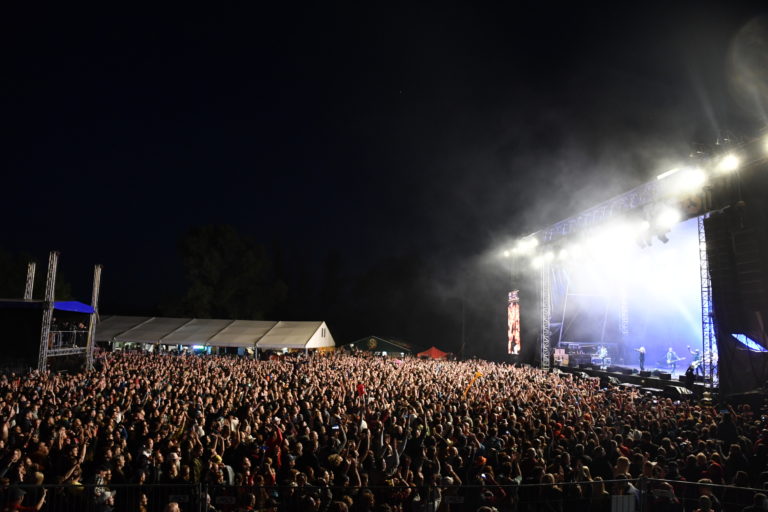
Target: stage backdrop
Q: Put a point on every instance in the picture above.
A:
(625, 296)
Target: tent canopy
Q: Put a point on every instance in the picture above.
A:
(214, 332)
(433, 353)
(297, 335)
(60, 305)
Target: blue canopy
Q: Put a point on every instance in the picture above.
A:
(72, 305)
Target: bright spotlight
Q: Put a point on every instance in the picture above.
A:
(667, 174)
(668, 218)
(576, 250)
(643, 226)
(563, 255)
(526, 245)
(537, 262)
(729, 163)
(692, 179)
(506, 254)
(549, 256)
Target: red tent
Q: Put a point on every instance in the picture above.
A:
(433, 353)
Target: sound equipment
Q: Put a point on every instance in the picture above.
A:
(677, 392)
(665, 376)
(645, 373)
(627, 371)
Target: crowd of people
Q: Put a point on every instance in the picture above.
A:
(362, 433)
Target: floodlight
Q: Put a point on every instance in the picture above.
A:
(729, 163)
(692, 179)
(667, 174)
(526, 245)
(549, 256)
(576, 250)
(668, 218)
(506, 254)
(563, 255)
(643, 226)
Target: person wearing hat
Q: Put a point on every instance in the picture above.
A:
(17, 497)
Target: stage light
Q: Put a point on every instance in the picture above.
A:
(692, 179)
(506, 254)
(563, 255)
(668, 218)
(668, 173)
(728, 164)
(549, 256)
(526, 245)
(576, 251)
(643, 226)
(537, 262)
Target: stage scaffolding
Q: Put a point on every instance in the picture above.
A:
(48, 349)
(708, 339)
(638, 197)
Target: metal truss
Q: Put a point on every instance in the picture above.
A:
(66, 351)
(546, 314)
(639, 196)
(50, 287)
(708, 336)
(94, 316)
(28, 289)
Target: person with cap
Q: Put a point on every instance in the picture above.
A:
(17, 498)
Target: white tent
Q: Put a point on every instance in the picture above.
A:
(297, 335)
(241, 333)
(265, 335)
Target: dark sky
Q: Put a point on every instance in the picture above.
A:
(370, 128)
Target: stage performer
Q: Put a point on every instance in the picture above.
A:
(672, 360)
(602, 354)
(641, 356)
(696, 361)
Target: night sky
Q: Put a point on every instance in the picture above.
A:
(370, 129)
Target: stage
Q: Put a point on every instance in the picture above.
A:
(655, 380)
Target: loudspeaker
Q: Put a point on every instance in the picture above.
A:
(665, 376)
(627, 371)
(681, 378)
(645, 373)
(677, 392)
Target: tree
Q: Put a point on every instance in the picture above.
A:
(229, 275)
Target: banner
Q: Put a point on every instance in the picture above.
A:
(513, 323)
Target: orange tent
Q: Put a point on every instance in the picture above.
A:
(433, 353)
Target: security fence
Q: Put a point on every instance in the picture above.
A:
(640, 495)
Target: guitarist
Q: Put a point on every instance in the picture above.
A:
(696, 361)
(672, 359)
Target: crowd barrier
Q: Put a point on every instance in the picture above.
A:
(640, 495)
